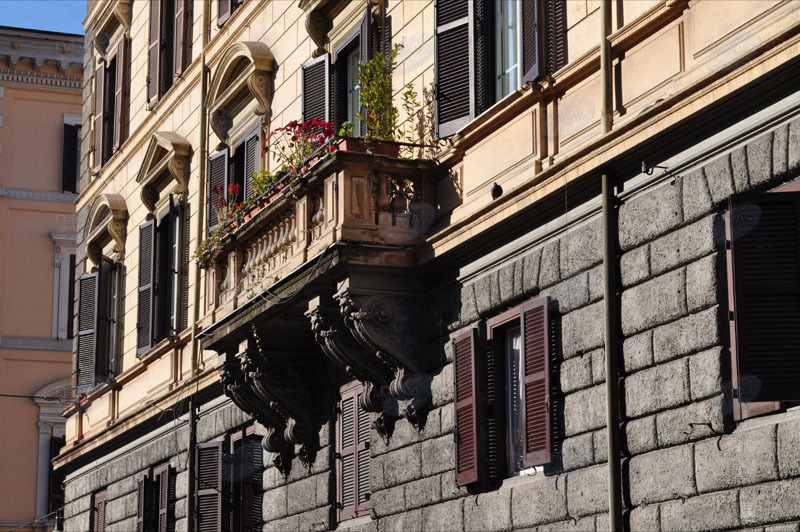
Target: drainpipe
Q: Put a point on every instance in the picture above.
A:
(612, 367)
(605, 66)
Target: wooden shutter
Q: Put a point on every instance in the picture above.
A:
(455, 105)
(166, 46)
(483, 64)
(153, 55)
(315, 88)
(535, 329)
(71, 299)
(225, 9)
(165, 497)
(252, 161)
(69, 158)
(119, 93)
(555, 23)
(144, 327)
(765, 248)
(178, 39)
(208, 487)
(87, 329)
(466, 421)
(217, 177)
(99, 506)
(185, 253)
(97, 119)
(366, 43)
(252, 473)
(103, 316)
(530, 41)
(146, 505)
(352, 448)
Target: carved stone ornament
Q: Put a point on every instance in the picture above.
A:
(108, 218)
(119, 10)
(166, 160)
(229, 78)
(318, 24)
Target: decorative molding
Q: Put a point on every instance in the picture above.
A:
(38, 195)
(35, 344)
(108, 216)
(318, 24)
(256, 75)
(166, 159)
(40, 78)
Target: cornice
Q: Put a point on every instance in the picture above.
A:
(37, 195)
(32, 77)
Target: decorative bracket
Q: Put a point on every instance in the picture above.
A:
(108, 218)
(166, 159)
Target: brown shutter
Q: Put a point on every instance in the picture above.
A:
(252, 473)
(208, 487)
(483, 63)
(71, 298)
(225, 9)
(315, 88)
(185, 253)
(154, 42)
(165, 495)
(99, 521)
(119, 89)
(146, 505)
(103, 317)
(454, 69)
(366, 43)
(765, 246)
(385, 35)
(536, 382)
(346, 449)
(87, 329)
(252, 160)
(530, 41)
(466, 421)
(69, 158)
(362, 455)
(179, 34)
(144, 327)
(99, 108)
(165, 69)
(555, 14)
(217, 177)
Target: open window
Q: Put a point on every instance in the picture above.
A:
(169, 47)
(155, 500)
(503, 422)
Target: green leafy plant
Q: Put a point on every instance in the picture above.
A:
(377, 109)
(347, 129)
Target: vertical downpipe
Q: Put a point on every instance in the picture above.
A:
(605, 66)
(612, 366)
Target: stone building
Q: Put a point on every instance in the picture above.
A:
(40, 120)
(423, 342)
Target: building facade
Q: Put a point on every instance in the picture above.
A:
(593, 189)
(40, 117)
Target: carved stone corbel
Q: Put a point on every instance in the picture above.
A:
(122, 11)
(221, 123)
(108, 217)
(318, 24)
(166, 151)
(258, 83)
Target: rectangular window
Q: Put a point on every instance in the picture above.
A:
(353, 89)
(155, 505)
(169, 45)
(70, 157)
(111, 102)
(234, 166)
(98, 516)
(507, 18)
(242, 477)
(226, 9)
(352, 452)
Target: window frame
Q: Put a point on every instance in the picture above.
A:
(111, 109)
(170, 42)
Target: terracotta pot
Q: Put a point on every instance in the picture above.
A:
(377, 147)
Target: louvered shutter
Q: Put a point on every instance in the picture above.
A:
(232, 479)
(455, 105)
(208, 487)
(144, 327)
(103, 317)
(555, 13)
(530, 41)
(178, 36)
(535, 329)
(366, 45)
(225, 9)
(165, 495)
(466, 421)
(97, 120)
(385, 35)
(483, 64)
(252, 162)
(183, 310)
(99, 521)
(87, 329)
(252, 468)
(165, 69)
(69, 158)
(217, 178)
(362, 455)
(315, 88)
(146, 504)
(347, 444)
(153, 55)
(765, 246)
(119, 90)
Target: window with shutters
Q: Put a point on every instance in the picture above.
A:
(486, 49)
(352, 454)
(763, 257)
(234, 166)
(98, 515)
(503, 425)
(111, 98)
(163, 293)
(208, 487)
(169, 45)
(242, 473)
(226, 9)
(155, 500)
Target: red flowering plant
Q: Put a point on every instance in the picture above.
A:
(295, 143)
(226, 207)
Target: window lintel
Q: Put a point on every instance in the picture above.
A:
(166, 159)
(108, 218)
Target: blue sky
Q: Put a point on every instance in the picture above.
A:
(52, 15)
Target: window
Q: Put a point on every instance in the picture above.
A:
(98, 516)
(98, 327)
(228, 483)
(226, 9)
(487, 49)
(502, 411)
(234, 166)
(163, 276)
(155, 508)
(55, 494)
(169, 45)
(70, 153)
(352, 453)
(764, 300)
(111, 102)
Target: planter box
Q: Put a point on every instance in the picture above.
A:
(377, 147)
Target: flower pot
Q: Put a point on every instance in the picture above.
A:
(376, 147)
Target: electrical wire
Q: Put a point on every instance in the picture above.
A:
(38, 519)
